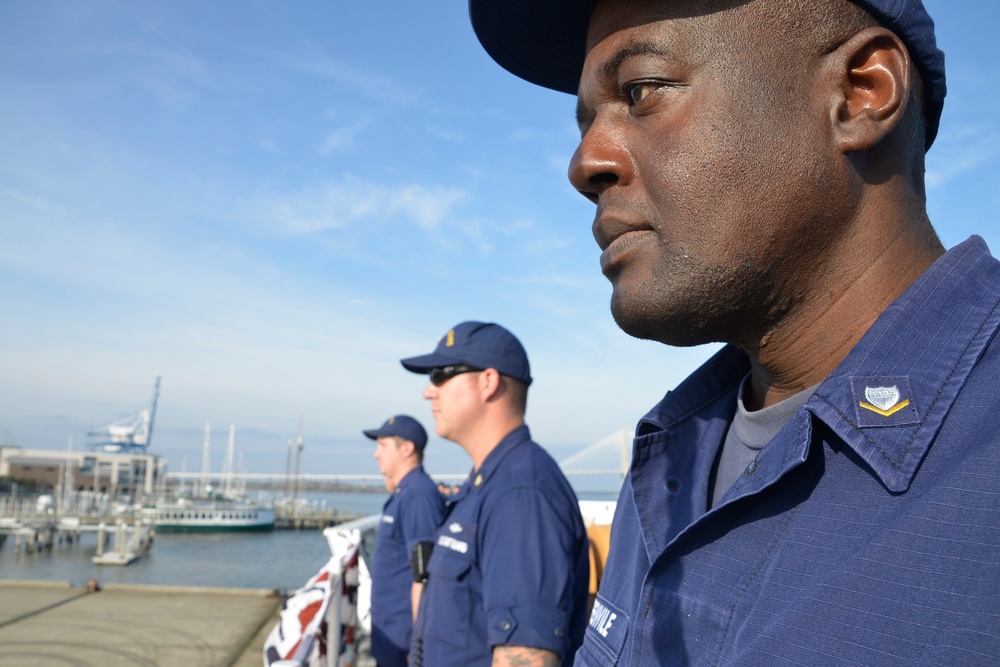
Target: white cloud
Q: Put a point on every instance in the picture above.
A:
(344, 137)
(337, 205)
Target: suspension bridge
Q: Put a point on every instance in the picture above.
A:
(607, 457)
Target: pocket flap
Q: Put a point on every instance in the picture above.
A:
(447, 565)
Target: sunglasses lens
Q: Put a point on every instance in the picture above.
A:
(438, 376)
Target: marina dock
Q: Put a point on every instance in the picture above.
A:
(45, 624)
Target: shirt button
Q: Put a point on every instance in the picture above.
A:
(505, 625)
(559, 632)
(752, 468)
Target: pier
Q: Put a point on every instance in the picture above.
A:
(302, 515)
(123, 537)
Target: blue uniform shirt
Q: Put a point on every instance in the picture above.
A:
(867, 532)
(510, 562)
(412, 514)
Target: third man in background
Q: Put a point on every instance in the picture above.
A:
(411, 515)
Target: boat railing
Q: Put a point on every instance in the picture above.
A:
(343, 598)
(333, 603)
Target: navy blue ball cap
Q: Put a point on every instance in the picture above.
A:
(477, 344)
(403, 426)
(545, 42)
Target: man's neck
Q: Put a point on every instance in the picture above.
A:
(481, 444)
(807, 345)
(403, 473)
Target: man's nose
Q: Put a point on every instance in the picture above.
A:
(600, 161)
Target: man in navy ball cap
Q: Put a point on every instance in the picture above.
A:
(410, 515)
(822, 491)
(476, 345)
(509, 572)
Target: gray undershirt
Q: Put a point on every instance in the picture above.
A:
(748, 433)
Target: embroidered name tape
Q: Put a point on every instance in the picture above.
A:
(607, 628)
(453, 544)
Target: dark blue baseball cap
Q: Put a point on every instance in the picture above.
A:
(403, 426)
(545, 42)
(477, 344)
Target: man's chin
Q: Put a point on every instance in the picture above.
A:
(641, 319)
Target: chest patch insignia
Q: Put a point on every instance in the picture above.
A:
(883, 400)
(455, 527)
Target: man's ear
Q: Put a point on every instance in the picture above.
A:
(489, 384)
(873, 72)
(408, 447)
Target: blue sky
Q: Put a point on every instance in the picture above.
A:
(269, 204)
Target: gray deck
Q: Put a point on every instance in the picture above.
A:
(43, 624)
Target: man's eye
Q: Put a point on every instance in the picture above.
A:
(636, 92)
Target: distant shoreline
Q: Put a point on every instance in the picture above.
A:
(318, 487)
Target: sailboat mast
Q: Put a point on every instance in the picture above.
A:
(298, 458)
(229, 460)
(203, 491)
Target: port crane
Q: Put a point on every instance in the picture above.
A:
(129, 435)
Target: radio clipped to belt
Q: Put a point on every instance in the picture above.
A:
(419, 555)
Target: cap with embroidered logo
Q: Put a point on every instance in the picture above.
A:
(545, 42)
(403, 426)
(480, 345)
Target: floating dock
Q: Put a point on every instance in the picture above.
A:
(44, 624)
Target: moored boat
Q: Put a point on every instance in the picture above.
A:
(208, 514)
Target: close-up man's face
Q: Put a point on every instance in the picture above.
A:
(706, 150)
(390, 457)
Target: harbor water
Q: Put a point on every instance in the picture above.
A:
(279, 559)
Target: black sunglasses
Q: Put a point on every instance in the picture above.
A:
(439, 376)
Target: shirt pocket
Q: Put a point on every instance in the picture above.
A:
(389, 525)
(452, 597)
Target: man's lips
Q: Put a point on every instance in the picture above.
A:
(608, 228)
(616, 238)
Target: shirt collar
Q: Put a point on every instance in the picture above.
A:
(409, 479)
(718, 376)
(909, 366)
(888, 399)
(510, 442)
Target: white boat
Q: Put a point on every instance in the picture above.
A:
(208, 514)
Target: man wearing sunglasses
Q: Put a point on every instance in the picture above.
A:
(411, 515)
(509, 572)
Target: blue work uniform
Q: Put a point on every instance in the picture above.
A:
(410, 515)
(510, 563)
(866, 532)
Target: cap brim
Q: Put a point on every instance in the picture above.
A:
(541, 42)
(545, 43)
(424, 363)
(373, 434)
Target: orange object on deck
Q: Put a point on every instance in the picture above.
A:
(600, 542)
